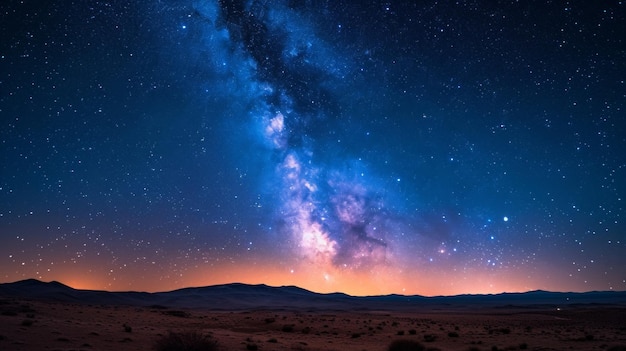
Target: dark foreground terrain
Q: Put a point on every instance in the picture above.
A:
(50, 316)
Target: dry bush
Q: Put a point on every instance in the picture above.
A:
(430, 337)
(185, 341)
(406, 345)
(176, 313)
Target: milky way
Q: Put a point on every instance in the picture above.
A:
(340, 146)
(330, 216)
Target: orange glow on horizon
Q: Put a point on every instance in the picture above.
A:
(381, 280)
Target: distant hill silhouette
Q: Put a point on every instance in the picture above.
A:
(239, 296)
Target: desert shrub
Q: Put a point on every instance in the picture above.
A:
(406, 345)
(400, 332)
(127, 328)
(453, 334)
(272, 340)
(252, 347)
(412, 331)
(430, 337)
(587, 337)
(175, 313)
(27, 322)
(26, 309)
(355, 335)
(523, 346)
(300, 347)
(9, 313)
(185, 341)
(617, 348)
(499, 331)
(287, 328)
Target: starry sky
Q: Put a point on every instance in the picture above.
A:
(367, 147)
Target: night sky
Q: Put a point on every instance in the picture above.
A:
(376, 147)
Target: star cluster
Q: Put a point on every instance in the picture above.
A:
(387, 147)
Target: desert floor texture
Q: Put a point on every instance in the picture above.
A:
(40, 325)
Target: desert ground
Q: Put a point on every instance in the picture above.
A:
(40, 325)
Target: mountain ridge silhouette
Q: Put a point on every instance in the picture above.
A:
(240, 296)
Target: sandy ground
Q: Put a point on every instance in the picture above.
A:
(37, 325)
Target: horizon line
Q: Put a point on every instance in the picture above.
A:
(309, 290)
